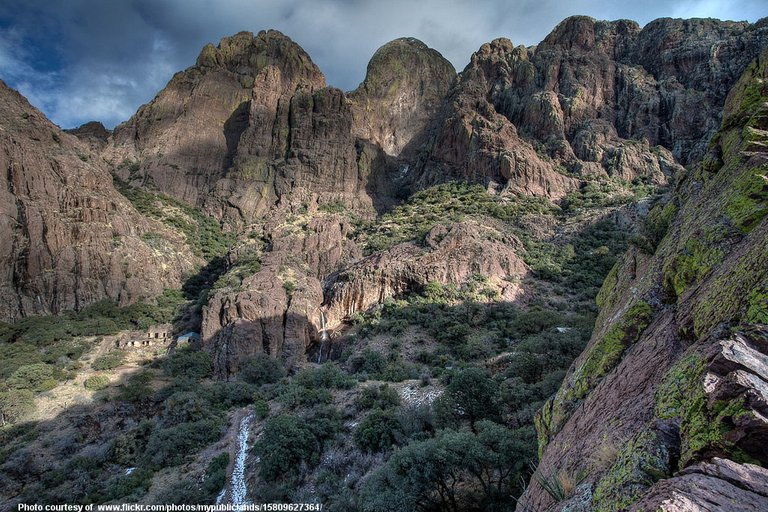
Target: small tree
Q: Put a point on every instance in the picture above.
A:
(37, 377)
(262, 369)
(15, 404)
(286, 442)
(471, 395)
(378, 431)
(108, 361)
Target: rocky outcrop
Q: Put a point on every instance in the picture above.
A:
(186, 138)
(595, 99)
(404, 86)
(253, 124)
(276, 310)
(717, 485)
(472, 140)
(454, 254)
(318, 271)
(661, 359)
(93, 133)
(69, 238)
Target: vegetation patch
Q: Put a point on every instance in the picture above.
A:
(109, 360)
(639, 464)
(735, 294)
(681, 395)
(450, 202)
(757, 306)
(203, 234)
(604, 355)
(600, 359)
(606, 192)
(378, 431)
(747, 204)
(691, 265)
(96, 382)
(455, 470)
(290, 440)
(656, 225)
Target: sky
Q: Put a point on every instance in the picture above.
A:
(83, 60)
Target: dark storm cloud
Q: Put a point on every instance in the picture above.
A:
(95, 59)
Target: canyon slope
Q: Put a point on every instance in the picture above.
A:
(69, 238)
(673, 382)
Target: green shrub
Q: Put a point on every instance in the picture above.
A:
(137, 388)
(324, 421)
(128, 447)
(262, 369)
(225, 395)
(171, 446)
(96, 382)
(108, 361)
(286, 442)
(370, 362)
(382, 397)
(378, 431)
(37, 377)
(452, 468)
(185, 407)
(189, 363)
(261, 408)
(216, 474)
(471, 395)
(15, 405)
(325, 376)
(129, 487)
(295, 395)
(332, 207)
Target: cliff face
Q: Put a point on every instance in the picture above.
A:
(595, 99)
(671, 388)
(404, 86)
(276, 310)
(453, 254)
(69, 238)
(187, 136)
(252, 123)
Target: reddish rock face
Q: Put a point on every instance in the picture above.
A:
(69, 238)
(454, 254)
(717, 485)
(252, 123)
(404, 86)
(277, 309)
(687, 386)
(593, 99)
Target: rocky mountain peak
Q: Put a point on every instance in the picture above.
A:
(393, 104)
(93, 133)
(585, 34)
(246, 54)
